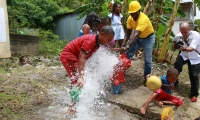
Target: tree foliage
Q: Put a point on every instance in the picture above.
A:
(197, 2)
(102, 8)
(94, 6)
(197, 22)
(72, 4)
(32, 13)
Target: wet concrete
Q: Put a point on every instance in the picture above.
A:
(132, 100)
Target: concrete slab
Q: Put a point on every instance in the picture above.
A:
(132, 100)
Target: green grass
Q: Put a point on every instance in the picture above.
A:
(3, 71)
(11, 105)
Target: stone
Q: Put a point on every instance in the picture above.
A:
(132, 100)
(27, 67)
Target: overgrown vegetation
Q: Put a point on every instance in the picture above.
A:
(50, 44)
(13, 104)
(33, 13)
(197, 22)
(36, 17)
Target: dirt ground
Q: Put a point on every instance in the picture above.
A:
(27, 81)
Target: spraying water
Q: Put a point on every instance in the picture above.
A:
(91, 106)
(98, 69)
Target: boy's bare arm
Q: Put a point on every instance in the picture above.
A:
(146, 104)
(81, 66)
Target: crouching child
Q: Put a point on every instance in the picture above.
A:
(163, 95)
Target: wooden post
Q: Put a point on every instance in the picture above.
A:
(4, 31)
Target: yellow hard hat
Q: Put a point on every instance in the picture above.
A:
(167, 112)
(153, 83)
(134, 6)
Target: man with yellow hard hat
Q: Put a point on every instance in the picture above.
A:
(142, 36)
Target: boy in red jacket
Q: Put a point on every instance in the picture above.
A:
(76, 52)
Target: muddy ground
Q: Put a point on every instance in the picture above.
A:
(36, 87)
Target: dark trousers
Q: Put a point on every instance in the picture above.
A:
(193, 74)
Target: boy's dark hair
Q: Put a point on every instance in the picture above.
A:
(173, 71)
(92, 17)
(107, 30)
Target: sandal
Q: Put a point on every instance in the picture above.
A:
(194, 99)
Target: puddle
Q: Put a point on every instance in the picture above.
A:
(57, 110)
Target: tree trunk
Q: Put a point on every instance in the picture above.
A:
(158, 18)
(162, 53)
(125, 11)
(147, 7)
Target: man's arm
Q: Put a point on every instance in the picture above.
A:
(134, 37)
(187, 49)
(127, 36)
(193, 44)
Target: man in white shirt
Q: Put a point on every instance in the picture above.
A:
(190, 54)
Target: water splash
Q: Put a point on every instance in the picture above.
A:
(98, 69)
(91, 105)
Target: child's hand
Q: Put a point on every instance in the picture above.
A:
(123, 49)
(80, 82)
(116, 49)
(166, 118)
(148, 76)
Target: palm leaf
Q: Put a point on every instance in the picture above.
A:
(82, 8)
(86, 12)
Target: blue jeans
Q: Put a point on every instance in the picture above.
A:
(147, 45)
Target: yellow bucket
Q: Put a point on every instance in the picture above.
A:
(153, 83)
(168, 112)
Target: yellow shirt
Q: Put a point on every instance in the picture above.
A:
(142, 24)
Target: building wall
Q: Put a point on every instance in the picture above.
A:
(187, 8)
(67, 27)
(175, 28)
(24, 44)
(4, 46)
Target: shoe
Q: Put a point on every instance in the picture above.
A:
(194, 99)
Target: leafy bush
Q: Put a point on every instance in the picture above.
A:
(50, 44)
(33, 13)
